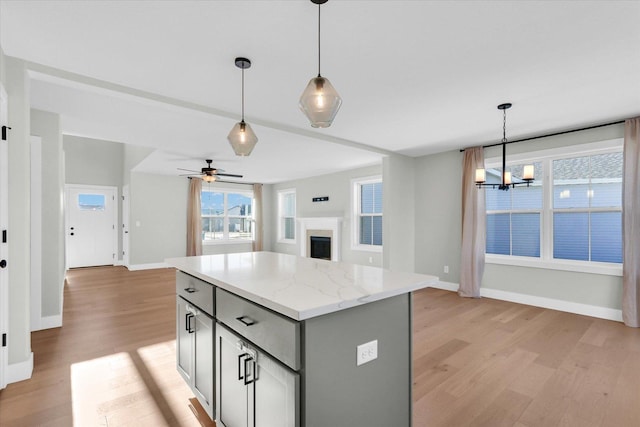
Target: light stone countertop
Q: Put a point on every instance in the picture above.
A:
(297, 287)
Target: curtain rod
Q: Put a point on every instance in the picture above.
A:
(550, 134)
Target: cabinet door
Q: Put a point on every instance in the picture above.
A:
(276, 391)
(184, 344)
(232, 401)
(203, 361)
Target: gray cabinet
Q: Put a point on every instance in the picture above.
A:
(195, 338)
(195, 352)
(272, 371)
(184, 341)
(254, 390)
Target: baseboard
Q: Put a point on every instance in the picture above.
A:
(47, 322)
(19, 371)
(118, 263)
(51, 322)
(136, 267)
(543, 302)
(447, 286)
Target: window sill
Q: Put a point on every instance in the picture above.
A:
(367, 248)
(604, 268)
(226, 242)
(287, 241)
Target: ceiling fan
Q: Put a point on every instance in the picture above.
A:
(209, 173)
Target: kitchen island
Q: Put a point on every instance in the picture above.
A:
(299, 341)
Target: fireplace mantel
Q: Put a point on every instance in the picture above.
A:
(328, 225)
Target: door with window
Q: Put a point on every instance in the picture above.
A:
(91, 230)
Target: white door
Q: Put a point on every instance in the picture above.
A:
(4, 214)
(91, 225)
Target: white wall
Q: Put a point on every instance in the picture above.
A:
(17, 86)
(47, 127)
(93, 162)
(158, 218)
(338, 187)
(438, 205)
(438, 179)
(398, 229)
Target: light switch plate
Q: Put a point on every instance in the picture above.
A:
(367, 352)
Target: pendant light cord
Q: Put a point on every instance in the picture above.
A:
(504, 125)
(319, 40)
(243, 94)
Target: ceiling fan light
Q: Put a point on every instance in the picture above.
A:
(320, 102)
(242, 139)
(208, 178)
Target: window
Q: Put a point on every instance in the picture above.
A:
(227, 216)
(367, 207)
(513, 216)
(91, 202)
(287, 216)
(587, 208)
(569, 218)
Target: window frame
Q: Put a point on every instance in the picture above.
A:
(225, 217)
(546, 260)
(281, 217)
(356, 185)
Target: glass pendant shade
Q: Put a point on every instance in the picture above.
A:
(242, 139)
(320, 102)
(208, 178)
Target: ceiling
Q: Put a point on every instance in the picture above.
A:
(416, 77)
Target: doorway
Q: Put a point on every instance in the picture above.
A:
(91, 232)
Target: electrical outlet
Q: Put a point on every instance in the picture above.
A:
(367, 352)
(446, 269)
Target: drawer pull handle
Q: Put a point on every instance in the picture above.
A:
(190, 290)
(240, 357)
(188, 325)
(247, 322)
(254, 378)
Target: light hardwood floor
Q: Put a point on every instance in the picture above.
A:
(113, 362)
(494, 363)
(476, 362)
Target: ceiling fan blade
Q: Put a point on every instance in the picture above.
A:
(188, 170)
(190, 174)
(229, 174)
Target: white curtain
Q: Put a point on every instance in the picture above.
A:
(194, 219)
(257, 195)
(631, 224)
(473, 226)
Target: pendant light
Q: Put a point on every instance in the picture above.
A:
(320, 101)
(506, 181)
(242, 138)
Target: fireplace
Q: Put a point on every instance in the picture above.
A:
(327, 227)
(320, 247)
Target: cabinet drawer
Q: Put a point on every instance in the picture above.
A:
(274, 333)
(196, 291)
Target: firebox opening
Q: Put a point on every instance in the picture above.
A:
(320, 247)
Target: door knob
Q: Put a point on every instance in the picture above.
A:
(72, 234)
(72, 228)
(3, 263)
